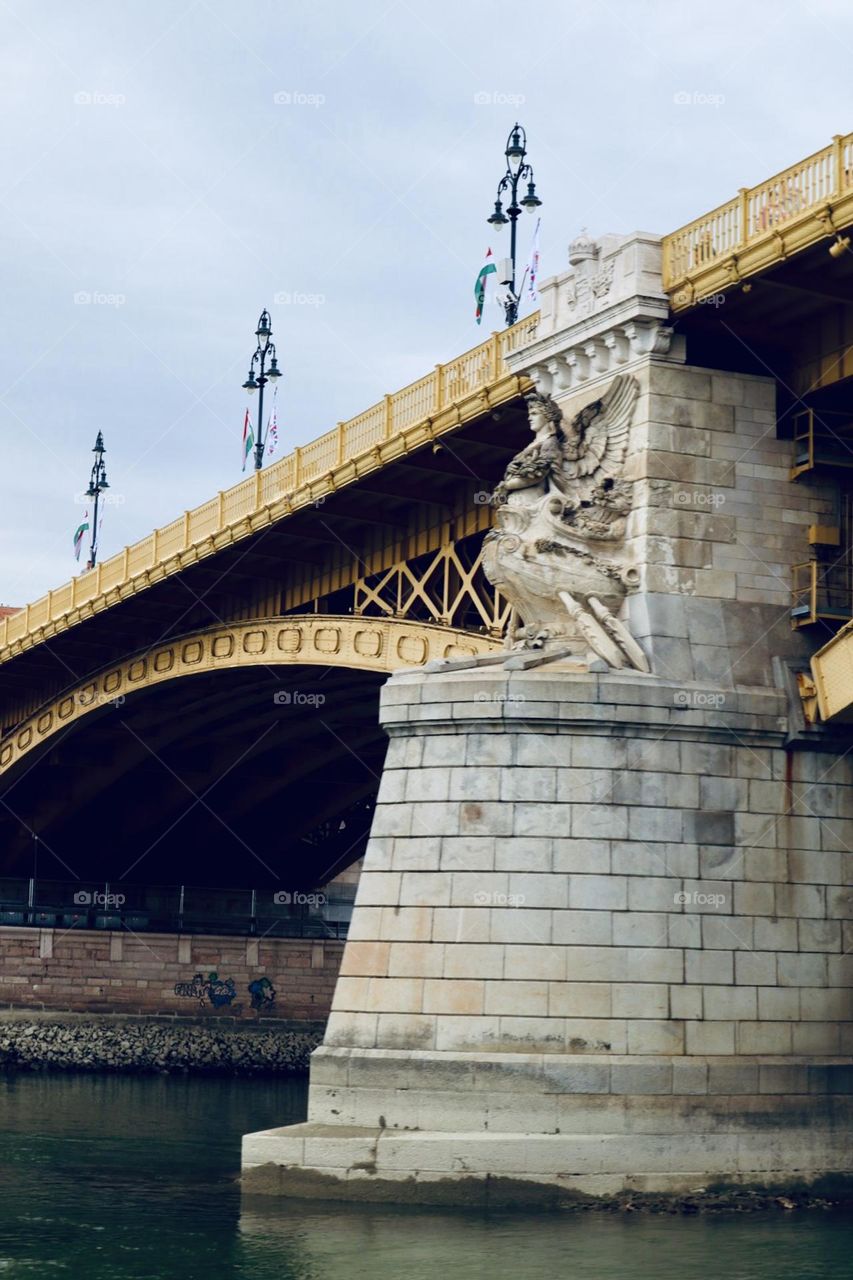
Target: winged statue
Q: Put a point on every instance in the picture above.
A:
(557, 551)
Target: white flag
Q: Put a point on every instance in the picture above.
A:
(533, 267)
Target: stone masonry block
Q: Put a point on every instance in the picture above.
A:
(457, 996)
(598, 893)
(803, 970)
(799, 900)
(577, 928)
(542, 962)
(820, 935)
(469, 853)
(640, 1000)
(755, 968)
(704, 1038)
(709, 967)
(415, 959)
(473, 960)
(728, 1002)
(582, 856)
(648, 1036)
(778, 1005)
(640, 929)
(579, 1000)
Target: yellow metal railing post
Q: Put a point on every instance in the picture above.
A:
(813, 598)
(838, 163)
(744, 214)
(297, 467)
(339, 445)
(257, 494)
(186, 529)
(389, 416)
(439, 387)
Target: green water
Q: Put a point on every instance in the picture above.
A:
(120, 1177)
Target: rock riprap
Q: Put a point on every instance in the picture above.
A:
(150, 1045)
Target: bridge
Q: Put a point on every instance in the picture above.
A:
(288, 598)
(597, 764)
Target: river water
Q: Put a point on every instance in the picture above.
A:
(121, 1177)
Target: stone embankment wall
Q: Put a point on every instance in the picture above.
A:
(87, 971)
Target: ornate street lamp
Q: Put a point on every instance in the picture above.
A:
(264, 352)
(517, 171)
(97, 484)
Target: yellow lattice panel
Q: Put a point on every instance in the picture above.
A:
(832, 668)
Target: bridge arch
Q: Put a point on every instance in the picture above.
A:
(373, 644)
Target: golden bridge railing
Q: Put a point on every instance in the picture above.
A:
(447, 385)
(757, 213)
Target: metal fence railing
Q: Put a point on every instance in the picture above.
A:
(77, 904)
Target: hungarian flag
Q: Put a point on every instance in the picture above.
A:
(82, 530)
(488, 269)
(248, 439)
(533, 266)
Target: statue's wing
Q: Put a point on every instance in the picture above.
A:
(601, 450)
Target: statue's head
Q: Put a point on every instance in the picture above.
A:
(541, 409)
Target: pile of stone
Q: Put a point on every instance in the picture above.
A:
(148, 1045)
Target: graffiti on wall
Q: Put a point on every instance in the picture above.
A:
(262, 992)
(212, 990)
(219, 992)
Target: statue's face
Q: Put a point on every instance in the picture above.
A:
(537, 418)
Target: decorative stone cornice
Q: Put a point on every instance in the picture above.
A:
(606, 314)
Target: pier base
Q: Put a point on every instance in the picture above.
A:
(597, 947)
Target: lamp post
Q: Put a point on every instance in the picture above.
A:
(517, 170)
(265, 351)
(97, 484)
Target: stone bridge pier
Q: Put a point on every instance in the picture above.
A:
(592, 950)
(602, 935)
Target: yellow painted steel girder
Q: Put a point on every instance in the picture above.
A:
(832, 670)
(761, 225)
(433, 406)
(360, 643)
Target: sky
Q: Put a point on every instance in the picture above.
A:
(168, 168)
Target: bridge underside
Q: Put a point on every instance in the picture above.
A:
(242, 777)
(207, 779)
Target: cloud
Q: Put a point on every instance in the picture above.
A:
(145, 156)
